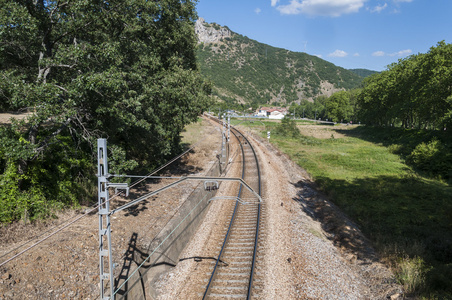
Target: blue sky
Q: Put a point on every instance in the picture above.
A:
(368, 34)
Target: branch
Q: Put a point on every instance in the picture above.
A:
(53, 10)
(86, 133)
(61, 88)
(44, 144)
(71, 31)
(63, 66)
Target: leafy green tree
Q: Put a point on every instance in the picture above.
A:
(436, 90)
(125, 70)
(319, 107)
(415, 92)
(338, 107)
(288, 128)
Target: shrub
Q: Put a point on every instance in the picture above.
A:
(432, 157)
(63, 178)
(410, 273)
(395, 148)
(288, 128)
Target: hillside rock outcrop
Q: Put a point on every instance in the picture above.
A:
(210, 33)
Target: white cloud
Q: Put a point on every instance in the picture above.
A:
(397, 4)
(378, 8)
(318, 55)
(294, 8)
(274, 2)
(405, 52)
(257, 10)
(400, 53)
(338, 53)
(332, 8)
(356, 54)
(378, 53)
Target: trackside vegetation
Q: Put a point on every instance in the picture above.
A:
(121, 70)
(415, 93)
(364, 171)
(394, 175)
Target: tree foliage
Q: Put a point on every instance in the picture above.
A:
(125, 70)
(339, 107)
(310, 110)
(416, 92)
(288, 128)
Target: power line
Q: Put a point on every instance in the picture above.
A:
(72, 221)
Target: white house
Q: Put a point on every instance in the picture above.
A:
(262, 112)
(276, 114)
(271, 113)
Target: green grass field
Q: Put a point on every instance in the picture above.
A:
(408, 217)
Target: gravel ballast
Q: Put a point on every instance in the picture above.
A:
(299, 258)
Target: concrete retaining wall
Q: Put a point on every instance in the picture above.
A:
(172, 240)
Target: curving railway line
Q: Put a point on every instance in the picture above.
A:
(233, 276)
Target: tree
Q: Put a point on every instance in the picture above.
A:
(338, 106)
(125, 70)
(415, 92)
(319, 107)
(288, 128)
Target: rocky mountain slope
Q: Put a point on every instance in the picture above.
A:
(246, 71)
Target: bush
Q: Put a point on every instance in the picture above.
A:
(439, 280)
(410, 273)
(63, 178)
(432, 157)
(288, 128)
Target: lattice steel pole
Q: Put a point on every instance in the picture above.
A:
(105, 257)
(223, 145)
(229, 127)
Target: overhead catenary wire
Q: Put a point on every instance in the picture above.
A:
(142, 274)
(76, 219)
(161, 243)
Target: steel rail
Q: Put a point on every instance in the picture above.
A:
(253, 263)
(233, 217)
(214, 272)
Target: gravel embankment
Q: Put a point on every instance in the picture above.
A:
(310, 249)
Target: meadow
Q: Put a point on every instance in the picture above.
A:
(405, 212)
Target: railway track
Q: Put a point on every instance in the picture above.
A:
(233, 276)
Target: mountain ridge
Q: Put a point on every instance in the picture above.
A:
(245, 71)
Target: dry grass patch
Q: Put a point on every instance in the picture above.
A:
(324, 131)
(5, 118)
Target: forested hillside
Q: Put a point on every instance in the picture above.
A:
(246, 71)
(363, 72)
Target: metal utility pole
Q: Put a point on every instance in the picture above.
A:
(229, 127)
(105, 258)
(223, 145)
